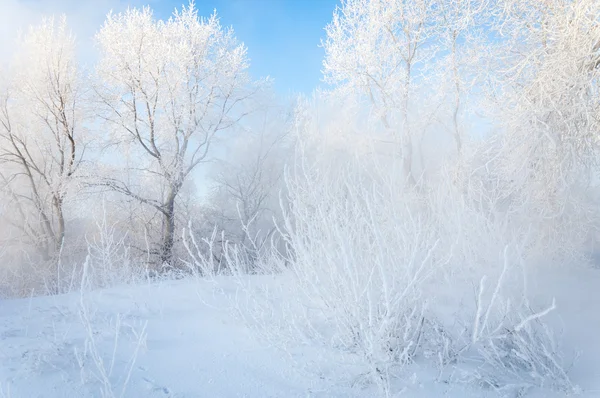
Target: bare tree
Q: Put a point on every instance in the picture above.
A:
(548, 104)
(168, 89)
(379, 49)
(42, 133)
(459, 39)
(247, 185)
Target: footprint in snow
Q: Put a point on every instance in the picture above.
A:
(155, 388)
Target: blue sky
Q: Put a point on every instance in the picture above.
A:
(282, 36)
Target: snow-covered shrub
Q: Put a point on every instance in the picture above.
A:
(391, 274)
(95, 366)
(359, 250)
(487, 302)
(109, 259)
(361, 255)
(25, 274)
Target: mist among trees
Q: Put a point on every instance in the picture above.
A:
(413, 205)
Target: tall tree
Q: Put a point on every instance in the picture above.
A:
(42, 136)
(549, 101)
(378, 49)
(169, 88)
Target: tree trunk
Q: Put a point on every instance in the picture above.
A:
(407, 160)
(168, 238)
(60, 233)
(456, 76)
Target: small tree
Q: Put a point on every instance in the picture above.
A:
(169, 88)
(248, 185)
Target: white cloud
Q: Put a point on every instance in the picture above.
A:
(84, 17)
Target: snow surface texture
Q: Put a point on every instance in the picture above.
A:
(183, 339)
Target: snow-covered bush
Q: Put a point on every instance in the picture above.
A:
(109, 259)
(95, 365)
(392, 275)
(487, 300)
(361, 255)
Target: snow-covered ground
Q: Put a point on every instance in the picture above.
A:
(193, 347)
(182, 339)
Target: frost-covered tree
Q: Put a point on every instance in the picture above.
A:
(249, 183)
(169, 88)
(379, 49)
(550, 76)
(459, 40)
(547, 101)
(42, 133)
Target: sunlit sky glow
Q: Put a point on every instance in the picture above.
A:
(282, 36)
